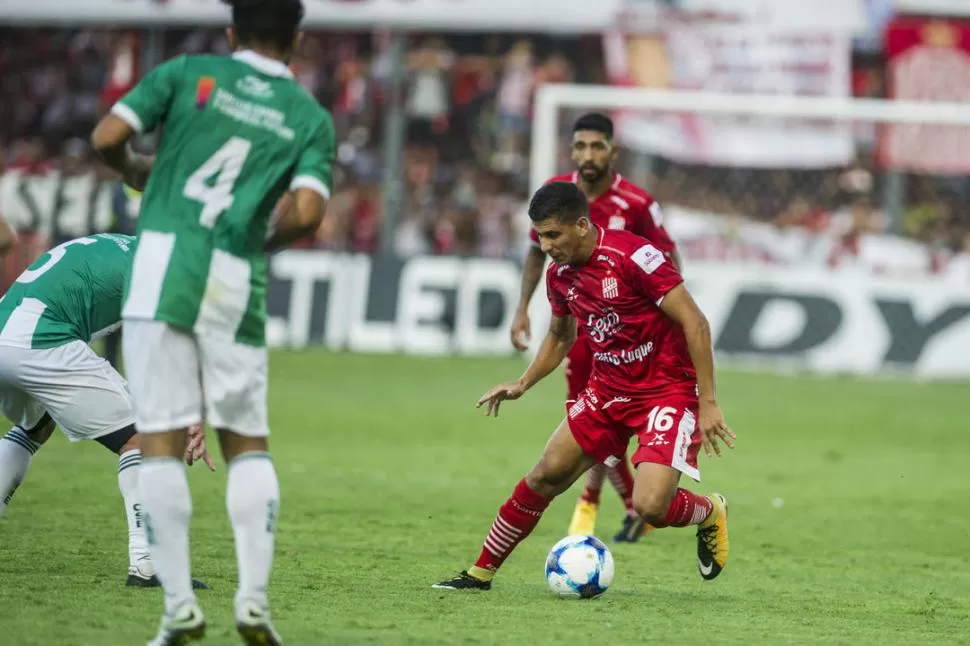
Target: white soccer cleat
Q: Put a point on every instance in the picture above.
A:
(184, 627)
(254, 625)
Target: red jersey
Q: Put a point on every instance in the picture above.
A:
(627, 207)
(615, 298)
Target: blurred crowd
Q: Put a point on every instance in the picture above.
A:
(467, 101)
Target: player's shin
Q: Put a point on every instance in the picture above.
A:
(253, 500)
(16, 450)
(515, 521)
(167, 511)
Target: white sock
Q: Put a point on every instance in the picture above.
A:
(253, 501)
(16, 449)
(129, 468)
(167, 505)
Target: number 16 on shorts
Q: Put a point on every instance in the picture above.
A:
(671, 437)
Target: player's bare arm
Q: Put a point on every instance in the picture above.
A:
(679, 305)
(8, 237)
(110, 139)
(531, 275)
(299, 214)
(559, 339)
(677, 260)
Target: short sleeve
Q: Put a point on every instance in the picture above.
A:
(314, 168)
(653, 273)
(649, 224)
(146, 105)
(556, 299)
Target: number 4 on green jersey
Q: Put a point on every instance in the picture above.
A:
(239, 132)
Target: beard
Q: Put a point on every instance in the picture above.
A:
(593, 174)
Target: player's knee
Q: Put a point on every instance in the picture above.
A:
(549, 478)
(651, 506)
(234, 444)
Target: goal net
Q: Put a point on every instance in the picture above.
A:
(827, 235)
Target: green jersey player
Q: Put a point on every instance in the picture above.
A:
(239, 133)
(50, 375)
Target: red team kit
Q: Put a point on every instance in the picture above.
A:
(625, 343)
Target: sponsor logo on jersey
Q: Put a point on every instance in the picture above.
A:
(603, 326)
(255, 87)
(203, 91)
(625, 357)
(610, 287)
(648, 258)
(571, 295)
(617, 222)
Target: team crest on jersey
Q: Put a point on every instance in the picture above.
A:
(203, 91)
(610, 287)
(617, 222)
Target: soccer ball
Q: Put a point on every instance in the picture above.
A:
(579, 567)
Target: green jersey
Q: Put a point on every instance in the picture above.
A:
(71, 293)
(238, 133)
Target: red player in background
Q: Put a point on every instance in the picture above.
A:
(653, 378)
(614, 203)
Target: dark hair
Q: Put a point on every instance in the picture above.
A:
(269, 22)
(561, 200)
(596, 122)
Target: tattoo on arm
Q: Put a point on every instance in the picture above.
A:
(561, 327)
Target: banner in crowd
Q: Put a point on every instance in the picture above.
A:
(929, 60)
(423, 15)
(711, 54)
(783, 319)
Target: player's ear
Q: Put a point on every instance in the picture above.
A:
(297, 43)
(231, 38)
(614, 150)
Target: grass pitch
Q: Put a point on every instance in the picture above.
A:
(850, 517)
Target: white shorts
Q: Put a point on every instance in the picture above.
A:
(178, 378)
(81, 391)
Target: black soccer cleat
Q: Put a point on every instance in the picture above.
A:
(633, 529)
(138, 580)
(464, 581)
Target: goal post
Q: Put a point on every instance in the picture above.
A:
(551, 98)
(780, 207)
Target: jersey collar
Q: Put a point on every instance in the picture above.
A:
(263, 64)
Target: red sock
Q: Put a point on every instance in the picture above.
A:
(622, 479)
(687, 508)
(516, 519)
(594, 484)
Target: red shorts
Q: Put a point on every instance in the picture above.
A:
(579, 366)
(665, 425)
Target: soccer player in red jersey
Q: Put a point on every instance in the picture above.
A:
(614, 203)
(653, 378)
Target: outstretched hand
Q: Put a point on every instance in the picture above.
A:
(714, 429)
(499, 394)
(195, 449)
